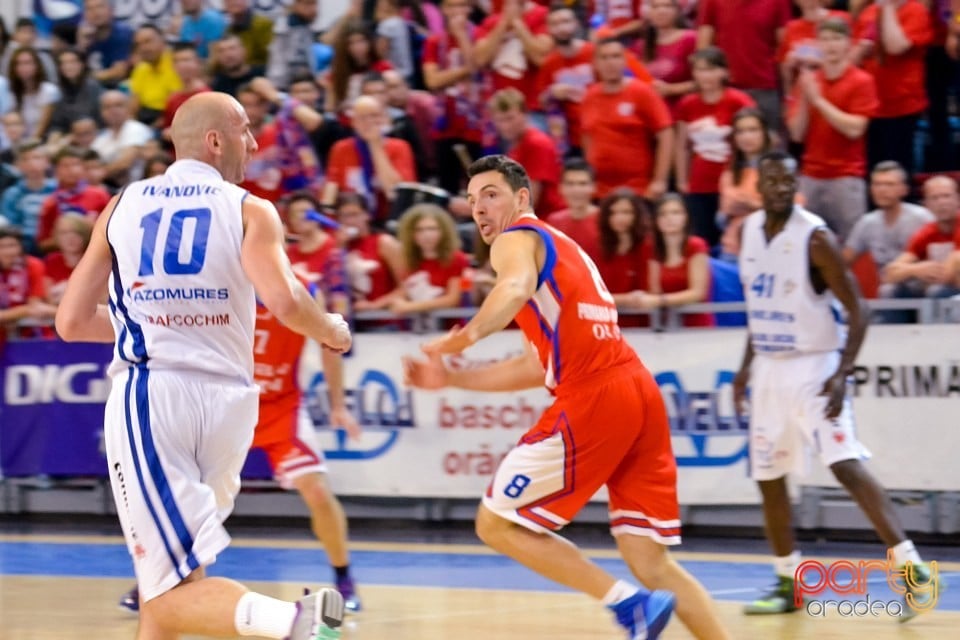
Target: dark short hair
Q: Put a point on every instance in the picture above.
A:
(511, 170)
(10, 231)
(577, 164)
(28, 145)
(776, 156)
(713, 56)
(834, 25)
(297, 196)
(185, 46)
(608, 40)
(303, 76)
(149, 26)
(371, 76)
(69, 152)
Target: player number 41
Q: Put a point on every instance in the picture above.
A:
(762, 285)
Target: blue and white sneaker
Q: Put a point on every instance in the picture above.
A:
(130, 601)
(645, 614)
(351, 601)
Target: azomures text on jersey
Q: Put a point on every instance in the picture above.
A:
(139, 292)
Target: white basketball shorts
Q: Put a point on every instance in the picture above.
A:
(787, 416)
(175, 444)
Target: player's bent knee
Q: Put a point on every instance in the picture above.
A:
(847, 471)
(490, 527)
(314, 491)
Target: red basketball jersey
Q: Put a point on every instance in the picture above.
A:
(572, 318)
(276, 352)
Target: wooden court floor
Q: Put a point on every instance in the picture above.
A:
(71, 608)
(66, 586)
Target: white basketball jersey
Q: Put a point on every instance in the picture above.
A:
(785, 315)
(178, 295)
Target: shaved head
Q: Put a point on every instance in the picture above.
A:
(213, 128)
(367, 105)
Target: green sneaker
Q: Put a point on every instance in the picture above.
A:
(778, 600)
(924, 596)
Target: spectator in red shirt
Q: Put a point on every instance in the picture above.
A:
(622, 18)
(432, 259)
(799, 48)
(667, 47)
(316, 254)
(263, 176)
(748, 32)
(830, 112)
(22, 288)
(529, 146)
(369, 163)
(616, 110)
(450, 70)
(679, 269)
(512, 44)
(704, 127)
(580, 219)
(896, 60)
(189, 66)
(928, 267)
(72, 235)
(73, 195)
(624, 223)
(374, 259)
(566, 73)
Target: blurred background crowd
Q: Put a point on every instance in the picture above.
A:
(639, 121)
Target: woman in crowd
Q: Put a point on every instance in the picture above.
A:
(703, 147)
(679, 271)
(374, 260)
(624, 252)
(33, 96)
(738, 183)
(355, 54)
(432, 258)
(666, 49)
(72, 234)
(80, 93)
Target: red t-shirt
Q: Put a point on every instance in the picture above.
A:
(17, 286)
(620, 12)
(538, 155)
(370, 277)
(900, 79)
(671, 62)
(801, 32)
(316, 261)
(676, 278)
(623, 273)
(584, 231)
(89, 201)
(432, 277)
(507, 69)
(827, 153)
(461, 100)
(174, 102)
(578, 71)
(621, 127)
(346, 170)
(709, 130)
(263, 177)
(930, 243)
(56, 268)
(747, 31)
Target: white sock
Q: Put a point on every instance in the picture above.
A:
(786, 566)
(905, 552)
(619, 592)
(260, 615)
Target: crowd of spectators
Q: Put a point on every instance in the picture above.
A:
(640, 123)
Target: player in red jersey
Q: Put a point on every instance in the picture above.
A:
(608, 424)
(286, 434)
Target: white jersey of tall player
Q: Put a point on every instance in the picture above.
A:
(786, 316)
(179, 297)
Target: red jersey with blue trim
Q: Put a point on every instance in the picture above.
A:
(571, 320)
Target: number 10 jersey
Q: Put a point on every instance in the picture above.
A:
(179, 298)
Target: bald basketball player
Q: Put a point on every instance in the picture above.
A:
(184, 256)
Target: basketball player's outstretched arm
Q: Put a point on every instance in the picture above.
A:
(515, 374)
(266, 264)
(513, 257)
(79, 317)
(827, 260)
